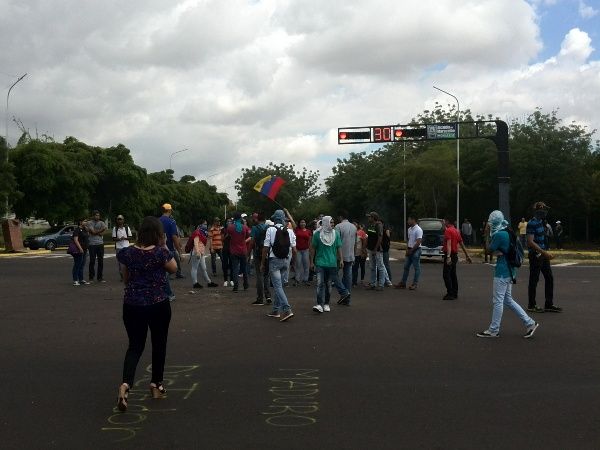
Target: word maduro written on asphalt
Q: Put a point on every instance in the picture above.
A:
(141, 405)
(294, 398)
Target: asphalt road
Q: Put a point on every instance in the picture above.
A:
(396, 370)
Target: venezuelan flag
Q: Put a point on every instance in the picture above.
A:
(269, 186)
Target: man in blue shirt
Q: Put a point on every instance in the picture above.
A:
(539, 260)
(172, 238)
(503, 276)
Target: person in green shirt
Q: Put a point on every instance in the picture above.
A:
(326, 256)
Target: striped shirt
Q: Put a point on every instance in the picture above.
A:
(214, 234)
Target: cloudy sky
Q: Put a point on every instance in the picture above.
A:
(241, 82)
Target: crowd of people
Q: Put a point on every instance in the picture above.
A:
(325, 253)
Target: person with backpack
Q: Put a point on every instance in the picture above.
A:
(509, 255)
(257, 239)
(121, 233)
(197, 252)
(280, 242)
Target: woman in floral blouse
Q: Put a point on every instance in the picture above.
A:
(146, 304)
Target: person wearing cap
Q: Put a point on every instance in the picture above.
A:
(374, 247)
(278, 266)
(539, 260)
(172, 239)
(121, 235)
(558, 232)
(96, 229)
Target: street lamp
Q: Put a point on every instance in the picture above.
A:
(457, 154)
(174, 153)
(6, 126)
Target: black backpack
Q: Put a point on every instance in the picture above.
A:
(281, 246)
(515, 255)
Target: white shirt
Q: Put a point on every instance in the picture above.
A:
(270, 239)
(415, 232)
(121, 232)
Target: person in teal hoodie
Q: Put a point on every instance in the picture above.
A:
(503, 280)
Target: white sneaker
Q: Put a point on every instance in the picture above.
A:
(318, 308)
(75, 283)
(225, 284)
(326, 308)
(231, 283)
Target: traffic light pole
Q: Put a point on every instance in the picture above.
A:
(388, 134)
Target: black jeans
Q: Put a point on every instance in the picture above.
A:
(262, 279)
(96, 252)
(213, 261)
(359, 262)
(137, 320)
(537, 265)
(226, 266)
(449, 273)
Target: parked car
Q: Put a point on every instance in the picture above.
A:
(54, 237)
(433, 237)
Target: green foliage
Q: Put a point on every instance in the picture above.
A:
(63, 182)
(300, 186)
(7, 180)
(549, 161)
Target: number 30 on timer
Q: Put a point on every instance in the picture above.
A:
(382, 134)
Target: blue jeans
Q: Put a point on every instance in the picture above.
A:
(78, 264)
(378, 273)
(347, 275)
(326, 276)
(502, 296)
(238, 263)
(414, 259)
(386, 263)
(199, 261)
(302, 266)
(277, 268)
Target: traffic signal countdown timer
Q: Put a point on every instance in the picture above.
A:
(386, 133)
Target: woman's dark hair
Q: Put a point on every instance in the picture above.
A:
(150, 232)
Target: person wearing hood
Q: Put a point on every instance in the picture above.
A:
(276, 250)
(539, 260)
(239, 235)
(198, 255)
(326, 256)
(504, 274)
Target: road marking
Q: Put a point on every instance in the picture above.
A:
(566, 264)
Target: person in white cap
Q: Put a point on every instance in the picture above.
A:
(121, 234)
(558, 232)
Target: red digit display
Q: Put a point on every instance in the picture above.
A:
(382, 134)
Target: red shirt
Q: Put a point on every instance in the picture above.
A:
(453, 235)
(302, 238)
(237, 244)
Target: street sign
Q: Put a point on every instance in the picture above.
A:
(441, 131)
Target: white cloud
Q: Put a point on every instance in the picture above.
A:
(586, 11)
(242, 83)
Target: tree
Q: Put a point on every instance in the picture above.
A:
(8, 182)
(54, 184)
(300, 186)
